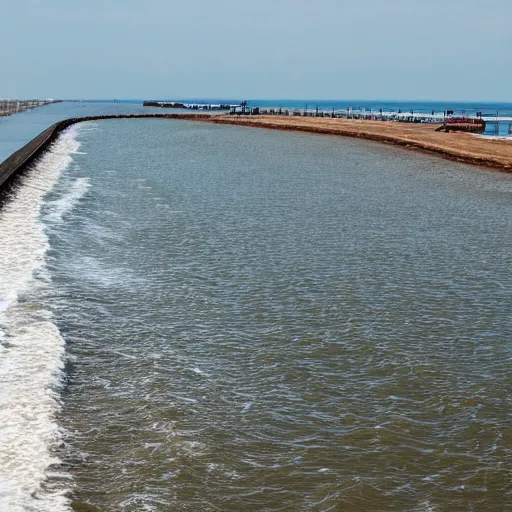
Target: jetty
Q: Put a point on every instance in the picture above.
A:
(352, 113)
(469, 121)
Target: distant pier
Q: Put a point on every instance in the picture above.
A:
(369, 114)
(13, 106)
(188, 106)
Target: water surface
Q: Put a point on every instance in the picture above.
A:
(256, 320)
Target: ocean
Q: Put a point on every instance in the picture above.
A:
(205, 317)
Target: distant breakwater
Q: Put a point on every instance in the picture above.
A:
(28, 154)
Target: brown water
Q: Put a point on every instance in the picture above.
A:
(267, 321)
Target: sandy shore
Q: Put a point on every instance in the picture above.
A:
(462, 147)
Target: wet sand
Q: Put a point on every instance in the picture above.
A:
(463, 147)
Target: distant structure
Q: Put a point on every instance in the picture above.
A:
(463, 124)
(471, 121)
(243, 110)
(10, 106)
(189, 106)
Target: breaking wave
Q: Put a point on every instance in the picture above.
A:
(31, 347)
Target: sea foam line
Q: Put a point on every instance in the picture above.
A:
(31, 347)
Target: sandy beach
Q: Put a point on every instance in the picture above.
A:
(463, 147)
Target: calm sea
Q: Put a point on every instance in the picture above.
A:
(204, 317)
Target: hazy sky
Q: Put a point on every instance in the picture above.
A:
(322, 49)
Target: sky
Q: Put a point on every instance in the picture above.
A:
(456, 50)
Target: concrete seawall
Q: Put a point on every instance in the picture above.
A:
(28, 154)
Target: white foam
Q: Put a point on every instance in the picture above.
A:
(58, 208)
(31, 349)
(198, 371)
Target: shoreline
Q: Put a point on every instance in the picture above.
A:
(460, 147)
